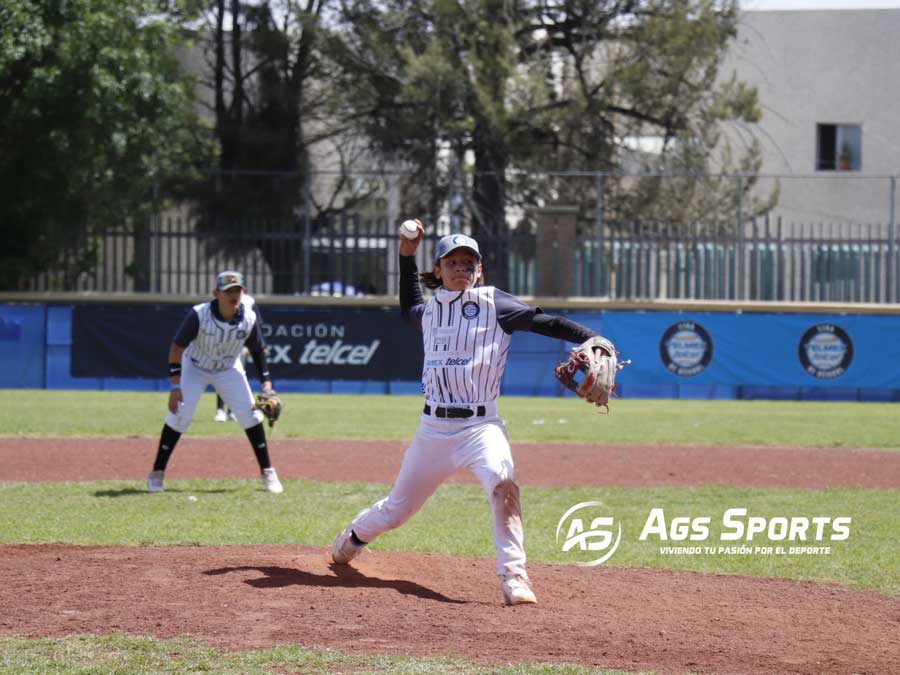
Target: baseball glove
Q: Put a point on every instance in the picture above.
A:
(270, 406)
(591, 371)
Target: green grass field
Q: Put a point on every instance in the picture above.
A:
(128, 655)
(813, 424)
(234, 511)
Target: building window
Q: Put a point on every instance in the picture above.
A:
(838, 147)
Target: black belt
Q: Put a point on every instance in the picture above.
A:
(454, 413)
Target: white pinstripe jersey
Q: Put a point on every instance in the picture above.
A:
(219, 344)
(465, 346)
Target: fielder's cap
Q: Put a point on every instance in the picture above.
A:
(229, 279)
(452, 242)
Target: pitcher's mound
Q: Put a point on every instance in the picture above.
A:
(401, 603)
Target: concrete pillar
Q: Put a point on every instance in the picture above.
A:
(555, 250)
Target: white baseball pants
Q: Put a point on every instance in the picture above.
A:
(440, 447)
(231, 385)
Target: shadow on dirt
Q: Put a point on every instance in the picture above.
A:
(344, 576)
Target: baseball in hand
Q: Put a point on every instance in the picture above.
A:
(409, 229)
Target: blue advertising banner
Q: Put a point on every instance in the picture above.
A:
(123, 340)
(674, 354)
(342, 344)
(318, 344)
(780, 350)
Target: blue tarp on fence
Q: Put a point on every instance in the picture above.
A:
(22, 346)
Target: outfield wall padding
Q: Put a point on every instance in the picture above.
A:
(367, 349)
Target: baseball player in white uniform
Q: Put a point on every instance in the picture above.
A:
(466, 331)
(206, 351)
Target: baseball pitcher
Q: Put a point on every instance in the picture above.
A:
(466, 331)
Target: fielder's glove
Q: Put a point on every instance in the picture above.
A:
(270, 406)
(591, 371)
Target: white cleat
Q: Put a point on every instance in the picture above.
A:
(220, 416)
(155, 481)
(232, 417)
(343, 550)
(270, 480)
(517, 590)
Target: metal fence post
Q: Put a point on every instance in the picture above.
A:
(307, 198)
(892, 243)
(741, 285)
(156, 242)
(597, 257)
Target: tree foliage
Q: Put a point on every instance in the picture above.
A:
(479, 99)
(480, 87)
(276, 117)
(260, 68)
(94, 115)
(277, 113)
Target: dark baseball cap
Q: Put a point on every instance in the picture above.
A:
(229, 279)
(452, 242)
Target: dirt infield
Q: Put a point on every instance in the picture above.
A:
(400, 603)
(551, 464)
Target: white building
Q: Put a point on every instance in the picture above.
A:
(829, 86)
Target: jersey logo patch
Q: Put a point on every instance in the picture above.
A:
(470, 310)
(447, 359)
(447, 362)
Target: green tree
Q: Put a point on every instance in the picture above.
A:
(95, 114)
(480, 87)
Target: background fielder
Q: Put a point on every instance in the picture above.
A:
(223, 415)
(466, 331)
(207, 351)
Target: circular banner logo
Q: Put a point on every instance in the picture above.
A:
(825, 351)
(685, 348)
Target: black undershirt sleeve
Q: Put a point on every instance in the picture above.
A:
(262, 365)
(255, 341)
(256, 345)
(561, 328)
(411, 303)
